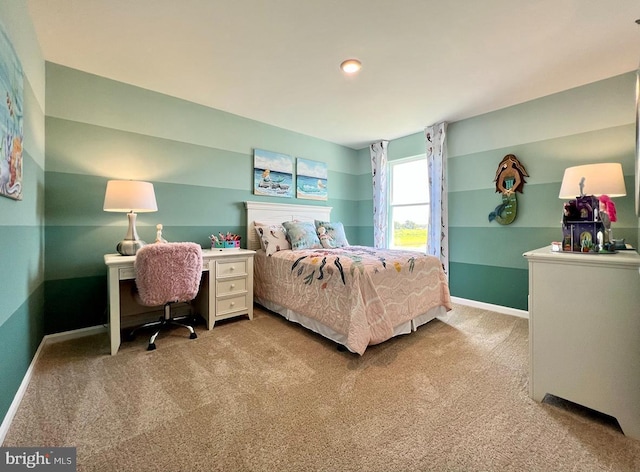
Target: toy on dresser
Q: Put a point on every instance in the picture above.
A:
(585, 224)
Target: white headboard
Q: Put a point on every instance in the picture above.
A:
(276, 213)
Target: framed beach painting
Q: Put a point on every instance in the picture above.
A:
(11, 134)
(311, 179)
(272, 174)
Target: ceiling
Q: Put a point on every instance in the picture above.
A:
(277, 61)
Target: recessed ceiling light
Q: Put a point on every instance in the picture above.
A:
(351, 66)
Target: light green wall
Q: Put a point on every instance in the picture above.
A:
(588, 124)
(200, 161)
(22, 222)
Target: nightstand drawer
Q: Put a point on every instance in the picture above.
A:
(229, 305)
(125, 273)
(227, 287)
(237, 267)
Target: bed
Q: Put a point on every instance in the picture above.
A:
(354, 295)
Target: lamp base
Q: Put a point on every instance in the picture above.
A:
(129, 247)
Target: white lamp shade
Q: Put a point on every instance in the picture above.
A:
(599, 179)
(130, 195)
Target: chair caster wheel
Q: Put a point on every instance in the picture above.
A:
(193, 336)
(151, 347)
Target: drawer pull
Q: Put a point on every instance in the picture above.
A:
(232, 268)
(232, 303)
(233, 286)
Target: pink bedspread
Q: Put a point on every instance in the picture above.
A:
(358, 291)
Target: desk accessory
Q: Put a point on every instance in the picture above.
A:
(225, 241)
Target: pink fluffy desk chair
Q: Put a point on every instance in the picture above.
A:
(168, 273)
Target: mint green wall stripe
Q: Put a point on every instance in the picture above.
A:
(20, 336)
(601, 105)
(33, 126)
(546, 160)
(80, 148)
(500, 246)
(22, 265)
(489, 284)
(178, 204)
(120, 154)
(363, 161)
(408, 146)
(363, 190)
(77, 96)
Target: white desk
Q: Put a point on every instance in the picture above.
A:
(584, 331)
(226, 289)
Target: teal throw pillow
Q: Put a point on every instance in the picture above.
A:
(302, 235)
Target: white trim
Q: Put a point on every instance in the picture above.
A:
(76, 333)
(49, 338)
(488, 306)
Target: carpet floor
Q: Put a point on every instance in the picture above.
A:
(268, 395)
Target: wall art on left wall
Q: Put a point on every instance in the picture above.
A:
(11, 106)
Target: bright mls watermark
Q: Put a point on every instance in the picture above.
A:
(46, 459)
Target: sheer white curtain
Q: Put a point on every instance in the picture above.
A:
(438, 233)
(379, 173)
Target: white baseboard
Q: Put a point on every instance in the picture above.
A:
(76, 333)
(488, 306)
(49, 338)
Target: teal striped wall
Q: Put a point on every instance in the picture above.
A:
(22, 222)
(199, 159)
(588, 124)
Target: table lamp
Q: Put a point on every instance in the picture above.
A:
(590, 186)
(130, 196)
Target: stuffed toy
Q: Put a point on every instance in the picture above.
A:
(607, 206)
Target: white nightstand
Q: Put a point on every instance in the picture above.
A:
(230, 284)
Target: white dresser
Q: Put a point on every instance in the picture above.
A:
(584, 331)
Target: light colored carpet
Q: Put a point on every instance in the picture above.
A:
(268, 395)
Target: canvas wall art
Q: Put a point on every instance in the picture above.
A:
(11, 135)
(272, 174)
(311, 180)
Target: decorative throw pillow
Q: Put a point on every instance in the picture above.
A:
(302, 235)
(273, 238)
(331, 235)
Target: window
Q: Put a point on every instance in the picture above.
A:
(408, 204)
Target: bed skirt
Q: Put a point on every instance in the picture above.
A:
(317, 327)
